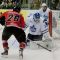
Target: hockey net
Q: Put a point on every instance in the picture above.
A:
(54, 24)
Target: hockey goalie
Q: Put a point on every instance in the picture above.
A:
(38, 30)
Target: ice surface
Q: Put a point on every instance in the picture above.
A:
(29, 54)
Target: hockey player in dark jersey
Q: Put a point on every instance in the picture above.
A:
(14, 25)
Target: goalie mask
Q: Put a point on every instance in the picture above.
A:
(44, 7)
(36, 17)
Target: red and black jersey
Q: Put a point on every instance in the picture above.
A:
(13, 18)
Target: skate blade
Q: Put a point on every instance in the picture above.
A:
(21, 57)
(4, 56)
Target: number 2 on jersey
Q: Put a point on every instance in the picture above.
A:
(13, 17)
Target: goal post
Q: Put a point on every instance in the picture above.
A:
(54, 24)
(50, 23)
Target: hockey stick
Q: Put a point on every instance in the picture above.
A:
(40, 45)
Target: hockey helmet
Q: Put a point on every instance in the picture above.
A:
(17, 9)
(36, 17)
(44, 4)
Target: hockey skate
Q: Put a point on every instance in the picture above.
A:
(22, 46)
(5, 52)
(21, 52)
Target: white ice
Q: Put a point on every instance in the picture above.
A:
(29, 54)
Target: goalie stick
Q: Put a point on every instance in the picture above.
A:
(41, 46)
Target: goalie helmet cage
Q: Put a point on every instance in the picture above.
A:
(50, 23)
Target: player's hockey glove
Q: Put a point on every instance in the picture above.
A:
(2, 20)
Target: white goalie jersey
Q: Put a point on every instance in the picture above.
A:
(37, 28)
